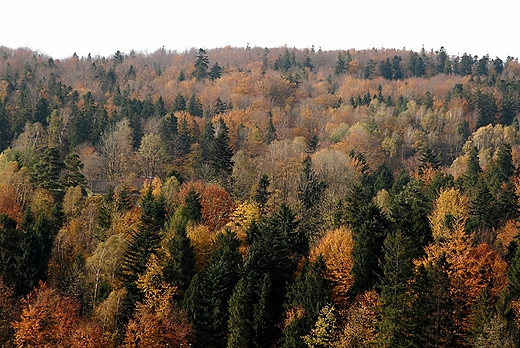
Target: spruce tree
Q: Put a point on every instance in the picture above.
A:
(179, 263)
(309, 293)
(201, 65)
(143, 241)
(270, 131)
(179, 103)
(261, 193)
(240, 313)
(221, 158)
(396, 326)
(369, 233)
(310, 189)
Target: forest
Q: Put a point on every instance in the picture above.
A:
(259, 197)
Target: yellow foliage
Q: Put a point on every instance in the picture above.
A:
(336, 249)
(202, 240)
(450, 209)
(155, 184)
(243, 215)
(157, 293)
(42, 202)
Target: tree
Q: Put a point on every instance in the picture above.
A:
(201, 65)
(71, 175)
(179, 260)
(310, 189)
(179, 104)
(270, 131)
(222, 154)
(194, 107)
(116, 150)
(48, 171)
(322, 334)
(396, 327)
(215, 72)
(141, 244)
(240, 311)
(48, 319)
(151, 155)
(305, 298)
(261, 193)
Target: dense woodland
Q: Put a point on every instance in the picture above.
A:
(254, 197)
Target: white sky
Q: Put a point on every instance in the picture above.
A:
(101, 27)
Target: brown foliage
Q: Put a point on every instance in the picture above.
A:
(216, 203)
(153, 329)
(48, 319)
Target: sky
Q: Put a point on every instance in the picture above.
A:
(60, 28)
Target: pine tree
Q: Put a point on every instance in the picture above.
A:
(194, 107)
(410, 212)
(215, 72)
(33, 252)
(71, 175)
(433, 307)
(370, 229)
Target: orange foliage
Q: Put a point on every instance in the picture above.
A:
(215, 200)
(153, 329)
(48, 319)
(336, 249)
(8, 203)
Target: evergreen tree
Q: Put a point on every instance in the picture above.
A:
(369, 231)
(310, 189)
(220, 106)
(9, 242)
(193, 205)
(473, 173)
(5, 133)
(47, 171)
(309, 293)
(141, 244)
(201, 65)
(215, 72)
(220, 280)
(179, 263)
(221, 158)
(433, 307)
(72, 176)
(410, 210)
(396, 327)
(261, 193)
(179, 103)
(194, 107)
(482, 311)
(34, 250)
(240, 313)
(262, 315)
(270, 131)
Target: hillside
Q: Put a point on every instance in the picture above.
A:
(186, 197)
